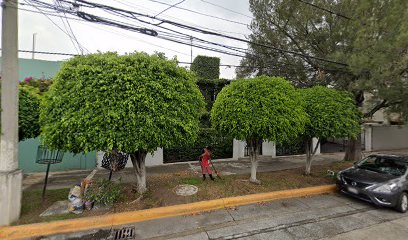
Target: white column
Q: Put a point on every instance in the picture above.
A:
(268, 149)
(238, 149)
(314, 142)
(368, 137)
(155, 159)
(10, 175)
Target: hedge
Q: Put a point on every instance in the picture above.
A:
(222, 147)
(206, 67)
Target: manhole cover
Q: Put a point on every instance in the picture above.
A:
(186, 190)
(123, 233)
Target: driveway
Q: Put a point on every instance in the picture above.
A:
(319, 217)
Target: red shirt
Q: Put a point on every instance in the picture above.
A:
(204, 160)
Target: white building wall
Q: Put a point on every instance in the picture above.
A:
(389, 137)
(151, 159)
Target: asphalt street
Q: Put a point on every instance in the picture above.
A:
(331, 216)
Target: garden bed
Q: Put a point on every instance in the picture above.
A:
(161, 191)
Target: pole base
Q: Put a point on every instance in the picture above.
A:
(10, 196)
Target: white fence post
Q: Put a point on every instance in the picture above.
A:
(269, 149)
(314, 143)
(238, 149)
(368, 138)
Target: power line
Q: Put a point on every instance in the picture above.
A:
(50, 14)
(184, 26)
(164, 35)
(131, 4)
(72, 32)
(229, 10)
(324, 9)
(137, 39)
(70, 37)
(174, 38)
(49, 53)
(68, 29)
(244, 66)
(200, 13)
(174, 5)
(179, 62)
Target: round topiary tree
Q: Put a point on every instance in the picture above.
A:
(262, 108)
(134, 103)
(332, 113)
(28, 113)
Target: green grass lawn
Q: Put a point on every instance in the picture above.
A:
(162, 191)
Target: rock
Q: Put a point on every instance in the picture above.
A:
(101, 207)
(60, 207)
(186, 190)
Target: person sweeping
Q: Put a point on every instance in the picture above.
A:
(204, 162)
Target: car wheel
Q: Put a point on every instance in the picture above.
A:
(402, 205)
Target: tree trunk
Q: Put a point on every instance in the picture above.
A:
(310, 152)
(353, 149)
(138, 160)
(253, 152)
(308, 156)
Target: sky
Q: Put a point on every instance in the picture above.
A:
(96, 37)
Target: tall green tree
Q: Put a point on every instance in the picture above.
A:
(332, 113)
(262, 108)
(134, 103)
(368, 37)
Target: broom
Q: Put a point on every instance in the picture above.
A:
(215, 170)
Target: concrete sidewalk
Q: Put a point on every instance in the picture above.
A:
(330, 216)
(67, 179)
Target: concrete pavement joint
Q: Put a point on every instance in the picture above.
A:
(286, 226)
(228, 211)
(208, 235)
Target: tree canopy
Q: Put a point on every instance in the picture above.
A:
(332, 113)
(267, 108)
(132, 102)
(28, 113)
(262, 108)
(206, 67)
(367, 38)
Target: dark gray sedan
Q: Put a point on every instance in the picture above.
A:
(380, 179)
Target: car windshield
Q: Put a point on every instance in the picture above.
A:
(383, 164)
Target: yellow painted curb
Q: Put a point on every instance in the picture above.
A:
(106, 221)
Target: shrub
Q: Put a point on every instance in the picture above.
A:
(41, 84)
(103, 192)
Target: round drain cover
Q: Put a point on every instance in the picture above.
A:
(186, 190)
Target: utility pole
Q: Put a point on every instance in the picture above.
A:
(10, 175)
(34, 38)
(191, 49)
